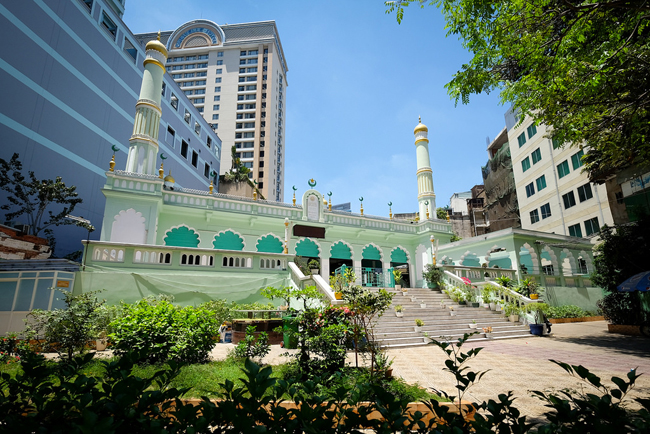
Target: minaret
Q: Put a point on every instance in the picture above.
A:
(424, 173)
(143, 144)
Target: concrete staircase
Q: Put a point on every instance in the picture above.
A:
(393, 332)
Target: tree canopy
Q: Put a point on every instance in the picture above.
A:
(579, 66)
(32, 198)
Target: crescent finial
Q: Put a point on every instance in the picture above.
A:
(390, 203)
(294, 188)
(361, 199)
(162, 156)
(115, 148)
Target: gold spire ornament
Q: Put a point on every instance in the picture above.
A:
(161, 171)
(390, 210)
(112, 164)
(294, 195)
(447, 216)
(426, 203)
(211, 187)
(361, 200)
(330, 199)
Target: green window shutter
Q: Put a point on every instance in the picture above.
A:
(371, 252)
(340, 251)
(307, 248)
(525, 164)
(532, 130)
(537, 155)
(556, 143)
(521, 139)
(228, 241)
(398, 255)
(270, 244)
(541, 183)
(563, 169)
(576, 159)
(575, 231)
(182, 237)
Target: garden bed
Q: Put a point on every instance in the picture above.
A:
(261, 325)
(581, 319)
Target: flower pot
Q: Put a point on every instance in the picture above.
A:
(513, 318)
(388, 373)
(418, 329)
(473, 326)
(315, 271)
(404, 293)
(499, 308)
(338, 295)
(452, 313)
(493, 306)
(486, 305)
(536, 329)
(100, 344)
(462, 303)
(398, 287)
(534, 296)
(488, 335)
(475, 304)
(423, 305)
(399, 314)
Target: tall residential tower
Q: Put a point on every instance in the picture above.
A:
(236, 76)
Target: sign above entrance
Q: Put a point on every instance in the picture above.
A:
(312, 205)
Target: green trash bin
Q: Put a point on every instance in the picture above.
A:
(289, 324)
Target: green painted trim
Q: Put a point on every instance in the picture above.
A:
(182, 237)
(399, 255)
(270, 244)
(371, 252)
(340, 250)
(308, 248)
(228, 241)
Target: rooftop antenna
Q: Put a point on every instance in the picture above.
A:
(487, 140)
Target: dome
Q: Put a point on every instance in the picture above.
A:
(157, 45)
(169, 178)
(420, 127)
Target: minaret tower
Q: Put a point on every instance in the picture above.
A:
(426, 196)
(143, 144)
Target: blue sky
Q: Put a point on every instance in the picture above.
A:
(357, 82)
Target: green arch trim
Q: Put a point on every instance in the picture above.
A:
(228, 241)
(270, 244)
(371, 252)
(181, 237)
(340, 250)
(307, 247)
(399, 255)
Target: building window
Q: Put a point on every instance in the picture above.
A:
(576, 159)
(188, 58)
(201, 65)
(88, 3)
(525, 164)
(174, 101)
(569, 200)
(164, 88)
(220, 54)
(546, 210)
(184, 148)
(130, 50)
(521, 139)
(219, 70)
(563, 169)
(217, 89)
(251, 96)
(215, 117)
(190, 66)
(252, 78)
(175, 76)
(200, 83)
(109, 25)
(217, 80)
(242, 70)
(195, 159)
(208, 142)
(530, 190)
(248, 164)
(534, 216)
(548, 270)
(541, 183)
(217, 97)
(188, 92)
(188, 117)
(251, 87)
(619, 198)
(584, 192)
(260, 174)
(188, 75)
(253, 69)
(203, 57)
(532, 130)
(198, 100)
(169, 137)
(206, 170)
(575, 231)
(199, 91)
(220, 62)
(591, 226)
(247, 154)
(582, 265)
(537, 155)
(216, 107)
(197, 128)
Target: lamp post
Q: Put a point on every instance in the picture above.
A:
(286, 235)
(433, 251)
(86, 224)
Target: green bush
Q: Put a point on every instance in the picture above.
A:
(568, 311)
(621, 308)
(253, 347)
(160, 331)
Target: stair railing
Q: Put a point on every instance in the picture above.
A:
(299, 280)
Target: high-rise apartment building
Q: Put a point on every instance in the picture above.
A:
(236, 76)
(554, 194)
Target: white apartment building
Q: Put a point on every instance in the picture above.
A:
(554, 195)
(236, 76)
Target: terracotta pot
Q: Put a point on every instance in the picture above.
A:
(534, 296)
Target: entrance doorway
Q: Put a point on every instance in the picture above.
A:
(404, 268)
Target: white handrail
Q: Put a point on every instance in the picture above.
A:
(323, 286)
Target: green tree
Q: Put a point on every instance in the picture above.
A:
(238, 172)
(580, 67)
(441, 213)
(32, 198)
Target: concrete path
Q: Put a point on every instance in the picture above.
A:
(522, 365)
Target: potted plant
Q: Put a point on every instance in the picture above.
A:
(433, 276)
(504, 281)
(537, 310)
(399, 311)
(528, 288)
(486, 275)
(488, 332)
(423, 305)
(512, 311)
(314, 266)
(452, 312)
(442, 304)
(461, 296)
(413, 298)
(473, 325)
(397, 274)
(486, 295)
(418, 324)
(476, 300)
(405, 291)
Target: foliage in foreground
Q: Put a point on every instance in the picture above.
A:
(60, 398)
(578, 66)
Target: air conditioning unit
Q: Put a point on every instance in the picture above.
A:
(22, 228)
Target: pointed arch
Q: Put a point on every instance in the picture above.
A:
(129, 227)
(308, 247)
(421, 258)
(399, 254)
(228, 240)
(552, 257)
(341, 250)
(568, 262)
(588, 261)
(270, 243)
(372, 251)
(533, 257)
(182, 236)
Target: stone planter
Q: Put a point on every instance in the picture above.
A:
(452, 313)
(417, 329)
(513, 318)
(473, 326)
(493, 306)
(315, 271)
(399, 314)
(582, 319)
(624, 329)
(423, 305)
(404, 292)
(488, 335)
(398, 287)
(100, 344)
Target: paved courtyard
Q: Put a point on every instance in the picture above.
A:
(522, 365)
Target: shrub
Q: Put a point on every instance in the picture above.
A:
(621, 308)
(252, 347)
(433, 276)
(567, 311)
(68, 330)
(160, 331)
